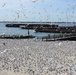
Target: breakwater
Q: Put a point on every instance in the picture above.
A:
(49, 28)
(32, 25)
(57, 29)
(54, 37)
(14, 25)
(16, 36)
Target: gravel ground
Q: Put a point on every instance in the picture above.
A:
(29, 57)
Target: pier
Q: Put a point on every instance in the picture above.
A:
(57, 37)
(16, 36)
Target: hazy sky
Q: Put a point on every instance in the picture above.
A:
(38, 10)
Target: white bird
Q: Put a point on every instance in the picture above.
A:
(59, 43)
(4, 51)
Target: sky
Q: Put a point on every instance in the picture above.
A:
(38, 10)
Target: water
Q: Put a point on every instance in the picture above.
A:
(19, 31)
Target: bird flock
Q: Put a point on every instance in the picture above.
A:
(37, 14)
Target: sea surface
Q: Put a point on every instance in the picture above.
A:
(18, 31)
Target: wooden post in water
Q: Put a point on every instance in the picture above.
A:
(42, 38)
(28, 32)
(54, 37)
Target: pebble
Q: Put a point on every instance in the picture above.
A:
(38, 57)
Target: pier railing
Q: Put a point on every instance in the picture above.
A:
(61, 36)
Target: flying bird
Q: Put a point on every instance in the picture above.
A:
(3, 4)
(34, 1)
(42, 0)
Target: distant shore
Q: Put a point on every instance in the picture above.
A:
(31, 22)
